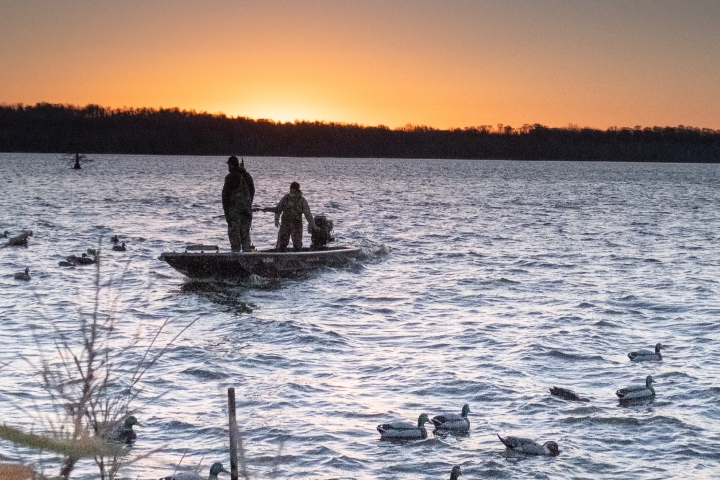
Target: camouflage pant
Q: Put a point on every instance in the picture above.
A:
(239, 232)
(291, 228)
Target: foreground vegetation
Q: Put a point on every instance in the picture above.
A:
(90, 389)
(94, 129)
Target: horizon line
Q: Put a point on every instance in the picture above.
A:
(407, 126)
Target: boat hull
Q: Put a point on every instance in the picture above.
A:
(265, 263)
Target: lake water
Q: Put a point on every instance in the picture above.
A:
(484, 282)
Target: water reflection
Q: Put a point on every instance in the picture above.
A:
(228, 295)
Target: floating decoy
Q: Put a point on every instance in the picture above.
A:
(567, 394)
(72, 260)
(216, 468)
(85, 260)
(20, 240)
(114, 239)
(530, 447)
(121, 431)
(119, 248)
(126, 433)
(634, 392)
(455, 473)
(453, 421)
(404, 430)
(645, 355)
(23, 275)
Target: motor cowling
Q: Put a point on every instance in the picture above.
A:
(322, 234)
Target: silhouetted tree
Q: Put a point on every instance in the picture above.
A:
(48, 127)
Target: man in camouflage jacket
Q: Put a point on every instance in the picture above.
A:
(237, 197)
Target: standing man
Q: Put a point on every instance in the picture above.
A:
(292, 207)
(237, 197)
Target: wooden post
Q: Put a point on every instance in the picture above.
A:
(233, 435)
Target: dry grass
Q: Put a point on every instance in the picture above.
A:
(11, 471)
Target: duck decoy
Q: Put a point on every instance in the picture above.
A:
(215, 469)
(635, 392)
(65, 263)
(20, 240)
(121, 431)
(72, 260)
(126, 434)
(114, 239)
(119, 248)
(404, 430)
(567, 394)
(453, 421)
(455, 472)
(645, 355)
(23, 275)
(530, 447)
(85, 260)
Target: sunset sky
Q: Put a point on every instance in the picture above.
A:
(443, 64)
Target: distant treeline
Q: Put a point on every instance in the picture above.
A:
(95, 129)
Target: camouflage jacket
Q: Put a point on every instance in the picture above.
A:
(238, 192)
(292, 208)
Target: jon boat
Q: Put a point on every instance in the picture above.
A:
(207, 262)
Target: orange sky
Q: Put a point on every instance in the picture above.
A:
(443, 64)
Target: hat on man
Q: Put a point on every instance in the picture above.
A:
(233, 160)
(295, 186)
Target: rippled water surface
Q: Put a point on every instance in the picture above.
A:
(484, 282)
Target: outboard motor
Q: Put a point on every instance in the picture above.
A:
(321, 235)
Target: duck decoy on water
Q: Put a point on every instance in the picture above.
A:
(635, 392)
(566, 394)
(530, 447)
(119, 248)
(23, 275)
(85, 260)
(74, 260)
(453, 421)
(121, 431)
(404, 430)
(19, 240)
(114, 239)
(455, 472)
(645, 355)
(215, 469)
